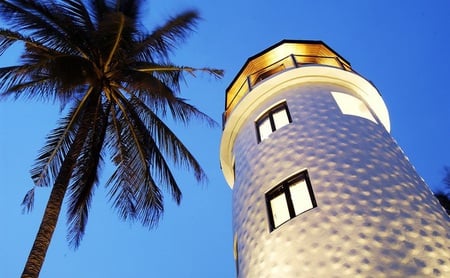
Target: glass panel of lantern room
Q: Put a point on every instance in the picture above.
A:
(280, 118)
(300, 197)
(280, 211)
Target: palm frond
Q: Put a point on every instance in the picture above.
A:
(168, 142)
(155, 141)
(168, 76)
(85, 177)
(149, 88)
(45, 76)
(26, 80)
(41, 88)
(58, 142)
(159, 68)
(114, 37)
(159, 97)
(10, 76)
(8, 38)
(164, 39)
(122, 187)
(28, 201)
(37, 20)
(97, 9)
(116, 40)
(446, 178)
(52, 155)
(133, 190)
(185, 112)
(78, 13)
(155, 82)
(130, 8)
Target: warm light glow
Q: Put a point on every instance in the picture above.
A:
(286, 55)
(351, 105)
(300, 197)
(264, 128)
(280, 118)
(280, 211)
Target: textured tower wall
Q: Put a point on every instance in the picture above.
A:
(375, 217)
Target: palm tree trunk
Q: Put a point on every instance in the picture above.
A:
(49, 220)
(48, 224)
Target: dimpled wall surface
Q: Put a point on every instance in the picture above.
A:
(375, 217)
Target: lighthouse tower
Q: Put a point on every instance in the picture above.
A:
(320, 188)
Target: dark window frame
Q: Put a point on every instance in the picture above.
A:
(269, 114)
(284, 188)
(236, 253)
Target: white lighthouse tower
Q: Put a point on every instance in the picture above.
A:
(320, 188)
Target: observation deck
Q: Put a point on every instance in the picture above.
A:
(283, 56)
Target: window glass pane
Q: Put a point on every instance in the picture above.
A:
(280, 211)
(264, 128)
(351, 105)
(300, 197)
(280, 118)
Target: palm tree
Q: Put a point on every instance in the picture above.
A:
(444, 200)
(116, 85)
(443, 195)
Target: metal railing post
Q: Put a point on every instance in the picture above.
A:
(294, 60)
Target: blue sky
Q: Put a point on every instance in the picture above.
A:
(401, 46)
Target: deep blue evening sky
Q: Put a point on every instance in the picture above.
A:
(401, 46)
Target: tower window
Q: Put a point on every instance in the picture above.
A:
(289, 199)
(350, 105)
(274, 119)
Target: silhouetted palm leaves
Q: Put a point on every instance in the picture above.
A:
(444, 195)
(116, 84)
